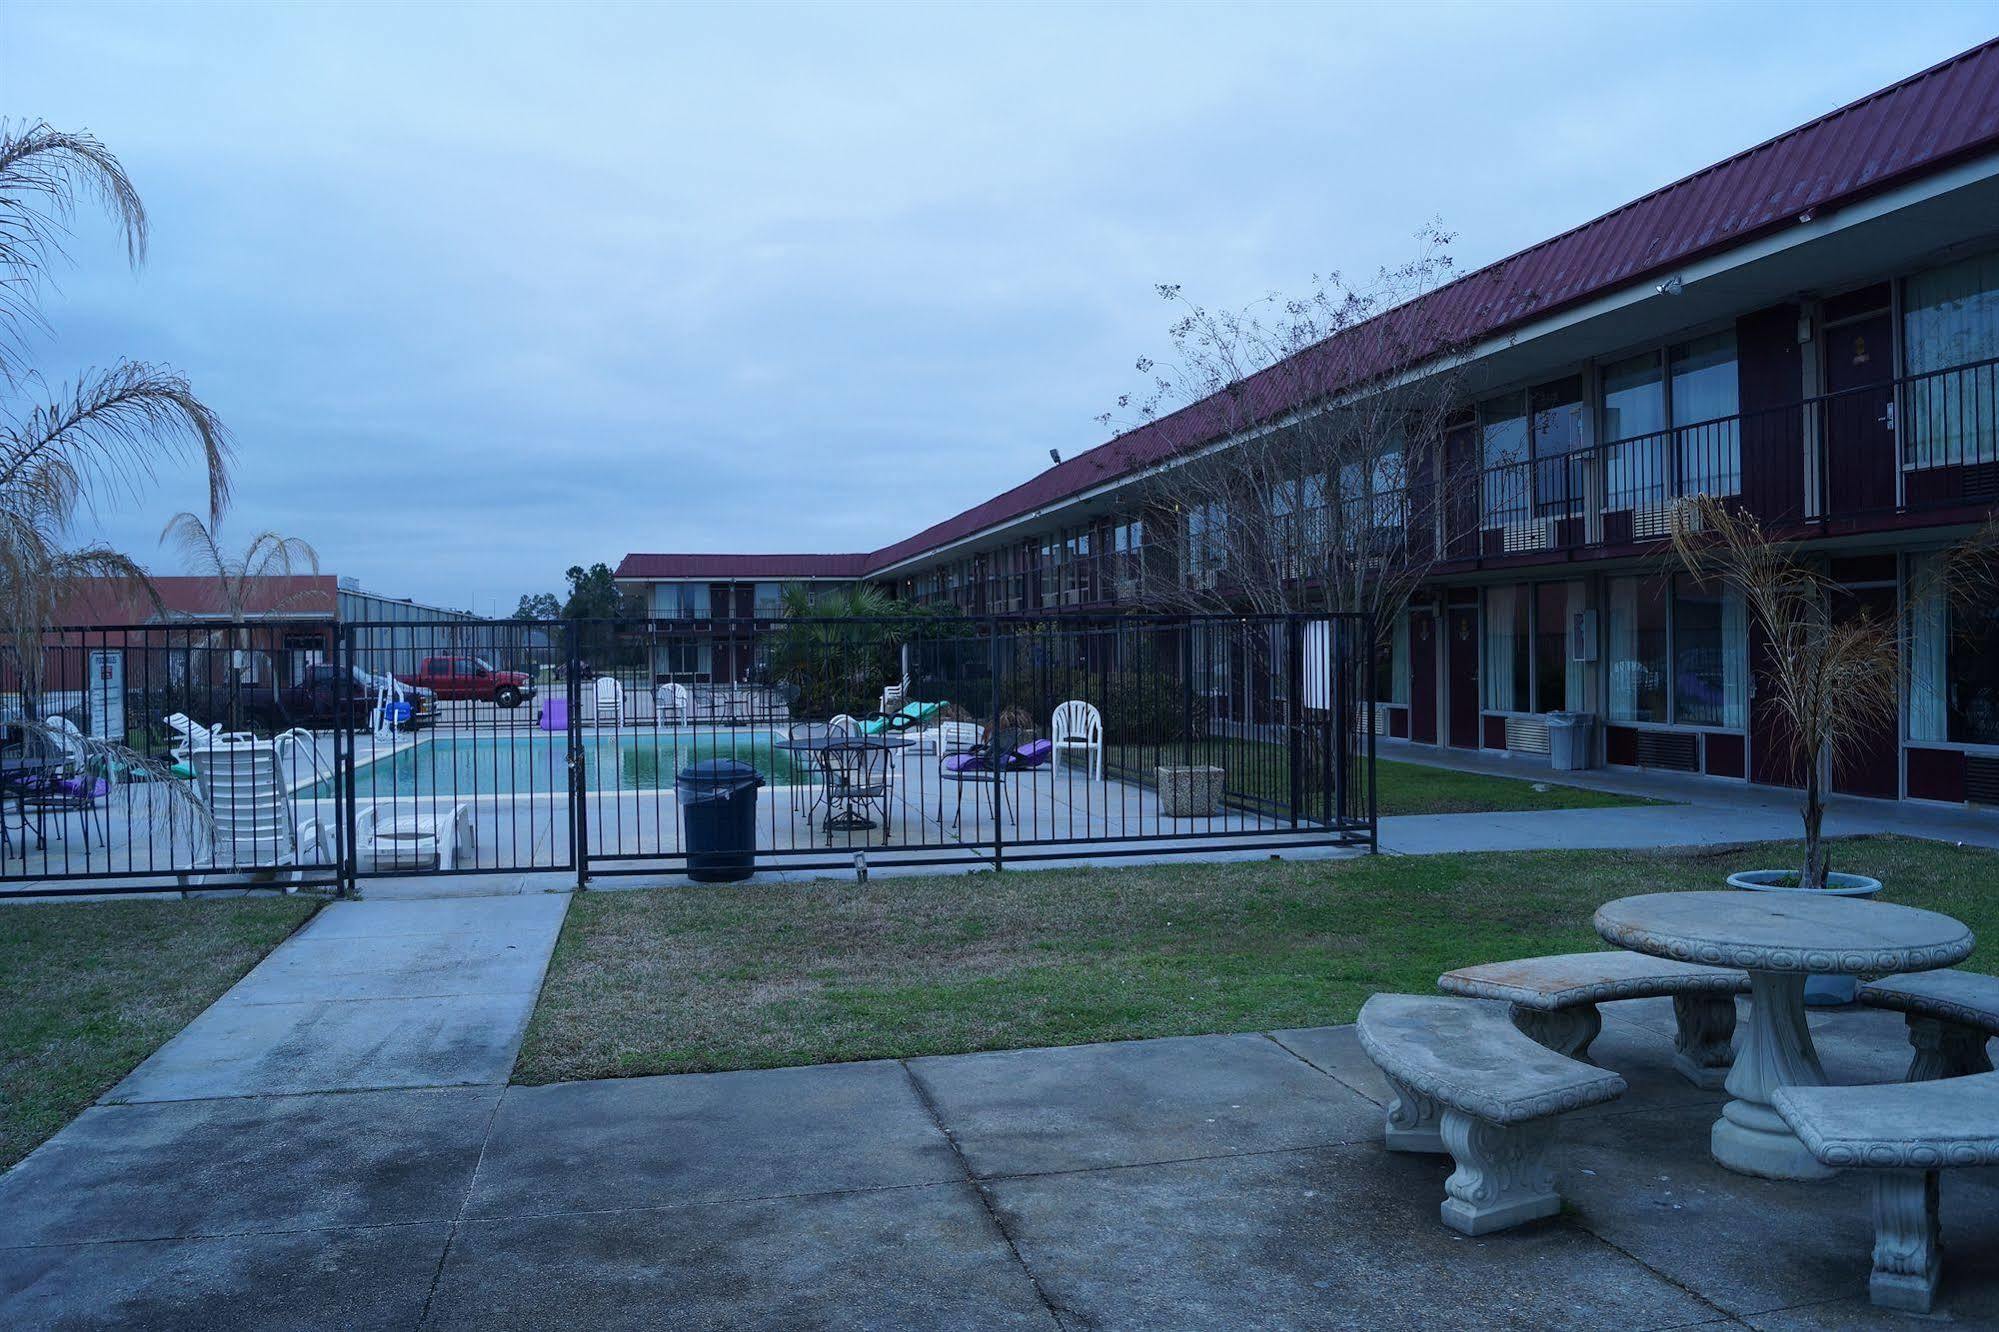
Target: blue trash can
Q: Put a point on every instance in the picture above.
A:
(718, 819)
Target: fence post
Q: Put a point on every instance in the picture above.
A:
(1373, 809)
(344, 816)
(1294, 667)
(579, 809)
(993, 756)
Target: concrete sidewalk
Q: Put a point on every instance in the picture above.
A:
(1197, 1183)
(1704, 812)
(370, 994)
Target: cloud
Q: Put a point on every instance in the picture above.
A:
(485, 292)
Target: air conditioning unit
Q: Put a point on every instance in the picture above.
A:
(1526, 735)
(1125, 588)
(1654, 522)
(1534, 534)
(1381, 712)
(1203, 579)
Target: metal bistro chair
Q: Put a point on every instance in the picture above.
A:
(72, 787)
(805, 795)
(980, 765)
(857, 776)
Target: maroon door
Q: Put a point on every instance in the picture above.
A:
(1859, 418)
(1461, 665)
(1423, 677)
(1868, 768)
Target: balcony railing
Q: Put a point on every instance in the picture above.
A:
(1903, 446)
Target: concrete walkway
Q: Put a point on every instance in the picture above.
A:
(1198, 1183)
(1705, 812)
(370, 994)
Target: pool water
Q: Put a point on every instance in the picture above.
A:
(522, 765)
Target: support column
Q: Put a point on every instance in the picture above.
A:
(1945, 1049)
(1412, 1121)
(1777, 1051)
(1704, 1046)
(1566, 1031)
(1503, 1177)
(1907, 1255)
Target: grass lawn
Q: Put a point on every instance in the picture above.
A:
(89, 989)
(683, 979)
(1400, 788)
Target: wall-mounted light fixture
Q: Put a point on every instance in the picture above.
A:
(1056, 454)
(1672, 286)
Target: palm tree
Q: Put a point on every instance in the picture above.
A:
(269, 555)
(68, 448)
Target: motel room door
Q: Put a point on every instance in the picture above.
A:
(1461, 668)
(1423, 677)
(1860, 420)
(1869, 769)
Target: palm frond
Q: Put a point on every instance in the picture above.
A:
(44, 174)
(114, 428)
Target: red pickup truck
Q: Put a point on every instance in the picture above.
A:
(471, 678)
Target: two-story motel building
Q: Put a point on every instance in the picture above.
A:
(1810, 328)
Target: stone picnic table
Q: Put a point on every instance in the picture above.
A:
(1779, 938)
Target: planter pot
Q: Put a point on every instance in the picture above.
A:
(1820, 991)
(1189, 792)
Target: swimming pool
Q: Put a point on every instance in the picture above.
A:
(523, 765)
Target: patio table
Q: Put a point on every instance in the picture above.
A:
(1778, 938)
(829, 752)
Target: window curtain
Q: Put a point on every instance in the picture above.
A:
(1951, 320)
(1500, 610)
(1577, 684)
(1624, 664)
(1929, 642)
(1734, 660)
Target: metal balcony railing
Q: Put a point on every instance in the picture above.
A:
(1903, 446)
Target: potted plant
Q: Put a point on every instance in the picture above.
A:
(1830, 681)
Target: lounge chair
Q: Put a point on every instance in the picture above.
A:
(410, 836)
(1078, 728)
(252, 823)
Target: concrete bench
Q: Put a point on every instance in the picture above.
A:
(1467, 1081)
(1554, 1001)
(1951, 1015)
(1905, 1132)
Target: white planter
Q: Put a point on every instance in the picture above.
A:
(1820, 991)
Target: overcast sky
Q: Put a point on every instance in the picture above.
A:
(487, 292)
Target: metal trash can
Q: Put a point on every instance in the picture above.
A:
(1571, 741)
(718, 819)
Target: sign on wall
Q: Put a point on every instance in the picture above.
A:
(107, 695)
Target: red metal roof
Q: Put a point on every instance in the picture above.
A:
(748, 567)
(1917, 126)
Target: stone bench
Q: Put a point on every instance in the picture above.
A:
(1554, 1001)
(1467, 1081)
(1951, 1015)
(1905, 1132)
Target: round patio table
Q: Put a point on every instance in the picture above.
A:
(1778, 938)
(842, 752)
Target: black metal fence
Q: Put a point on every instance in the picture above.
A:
(162, 757)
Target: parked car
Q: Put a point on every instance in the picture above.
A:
(328, 694)
(459, 678)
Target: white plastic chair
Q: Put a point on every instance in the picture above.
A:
(1078, 728)
(672, 704)
(610, 701)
